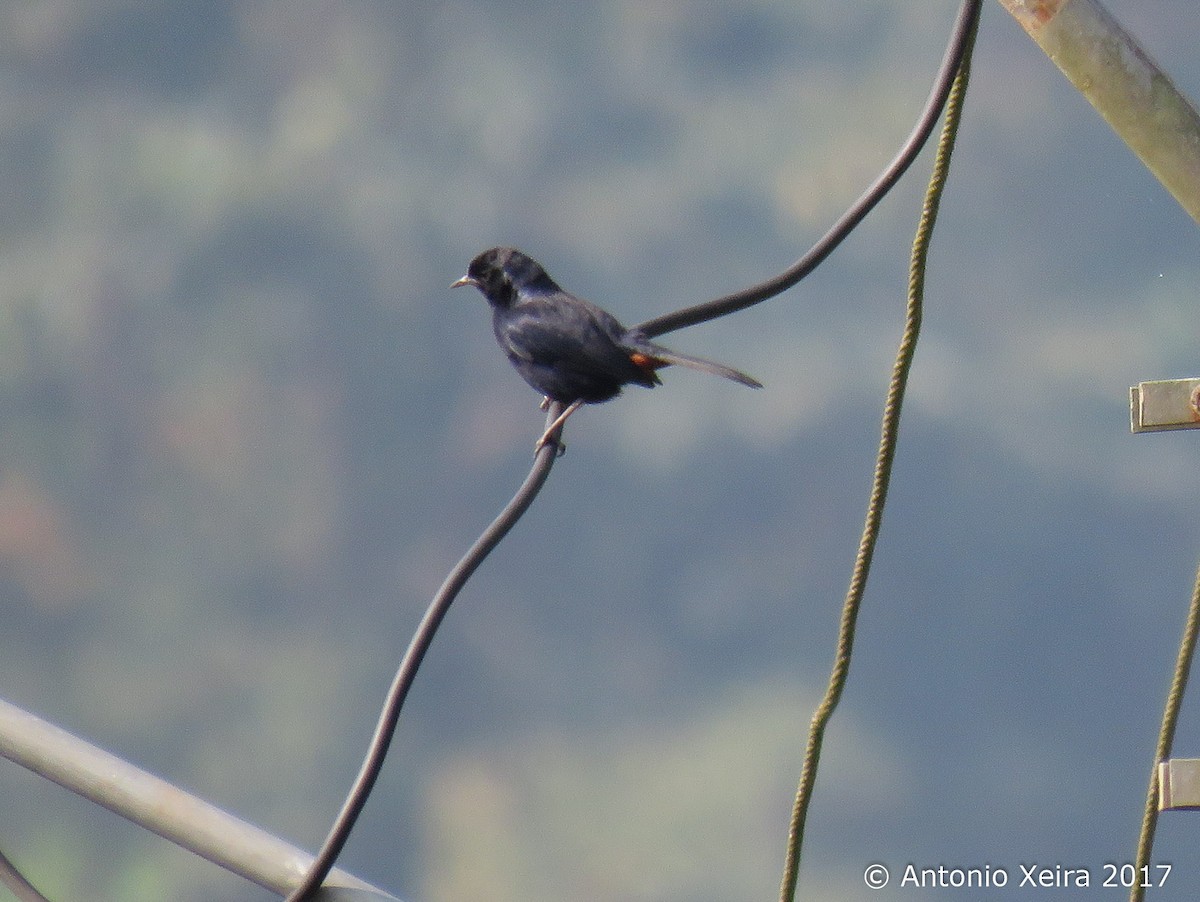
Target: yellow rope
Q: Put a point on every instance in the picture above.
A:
(1166, 737)
(883, 469)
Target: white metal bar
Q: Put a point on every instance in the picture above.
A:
(159, 806)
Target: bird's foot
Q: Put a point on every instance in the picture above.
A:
(548, 439)
(550, 436)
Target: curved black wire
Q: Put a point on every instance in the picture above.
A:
(968, 13)
(21, 888)
(386, 727)
(544, 461)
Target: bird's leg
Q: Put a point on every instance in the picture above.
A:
(545, 405)
(546, 438)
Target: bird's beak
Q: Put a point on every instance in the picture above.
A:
(465, 280)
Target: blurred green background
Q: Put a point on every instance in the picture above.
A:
(245, 429)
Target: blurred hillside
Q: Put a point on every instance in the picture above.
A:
(246, 429)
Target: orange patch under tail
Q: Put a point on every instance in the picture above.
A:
(646, 363)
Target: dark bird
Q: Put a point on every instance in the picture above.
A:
(567, 348)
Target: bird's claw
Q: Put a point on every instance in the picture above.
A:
(553, 432)
(559, 445)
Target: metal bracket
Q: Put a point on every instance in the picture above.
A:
(1165, 405)
(1179, 784)
(1162, 406)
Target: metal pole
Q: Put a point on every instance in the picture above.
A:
(1124, 84)
(161, 807)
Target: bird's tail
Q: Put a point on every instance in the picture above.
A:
(658, 356)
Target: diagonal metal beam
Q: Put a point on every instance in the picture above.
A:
(163, 808)
(1124, 84)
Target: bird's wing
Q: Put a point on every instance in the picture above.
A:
(565, 331)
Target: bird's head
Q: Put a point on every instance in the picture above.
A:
(502, 273)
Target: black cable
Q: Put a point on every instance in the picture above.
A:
(544, 461)
(731, 303)
(15, 881)
(411, 662)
